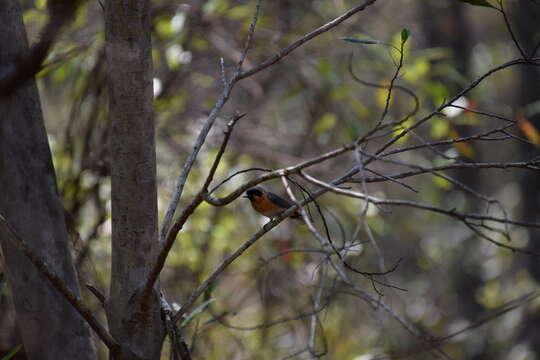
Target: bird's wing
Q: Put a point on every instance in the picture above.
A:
(278, 200)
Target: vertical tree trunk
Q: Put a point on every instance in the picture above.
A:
(133, 176)
(49, 326)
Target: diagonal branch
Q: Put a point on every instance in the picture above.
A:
(201, 138)
(60, 285)
(195, 202)
(299, 42)
(466, 218)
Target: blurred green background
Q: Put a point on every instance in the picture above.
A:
(305, 105)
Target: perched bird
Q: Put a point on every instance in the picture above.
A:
(269, 204)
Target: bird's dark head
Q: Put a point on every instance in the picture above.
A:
(254, 194)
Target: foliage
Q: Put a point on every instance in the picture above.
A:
(325, 95)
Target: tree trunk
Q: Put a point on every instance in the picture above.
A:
(136, 324)
(49, 326)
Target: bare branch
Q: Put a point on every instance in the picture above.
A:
(299, 42)
(509, 28)
(98, 294)
(226, 262)
(279, 321)
(376, 303)
(380, 86)
(60, 285)
(531, 165)
(201, 138)
(195, 202)
(496, 313)
(391, 86)
(472, 85)
(463, 217)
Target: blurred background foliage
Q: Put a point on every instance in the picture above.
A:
(307, 104)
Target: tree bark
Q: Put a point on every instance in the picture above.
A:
(49, 326)
(133, 321)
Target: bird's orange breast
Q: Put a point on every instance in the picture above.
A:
(266, 207)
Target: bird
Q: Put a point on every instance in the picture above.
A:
(269, 204)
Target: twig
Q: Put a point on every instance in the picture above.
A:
(475, 83)
(279, 321)
(391, 86)
(299, 42)
(314, 318)
(407, 91)
(179, 349)
(98, 294)
(509, 28)
(195, 202)
(226, 262)
(221, 151)
(463, 217)
(379, 303)
(496, 313)
(328, 241)
(238, 75)
(531, 165)
(201, 138)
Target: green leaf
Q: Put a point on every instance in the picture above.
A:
(199, 309)
(479, 3)
(13, 352)
(405, 35)
(361, 41)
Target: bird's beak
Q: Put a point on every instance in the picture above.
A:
(246, 196)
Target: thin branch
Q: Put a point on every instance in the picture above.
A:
(377, 303)
(179, 188)
(201, 138)
(531, 165)
(279, 321)
(221, 151)
(227, 261)
(509, 28)
(380, 86)
(98, 294)
(180, 350)
(238, 173)
(485, 113)
(331, 154)
(195, 202)
(266, 228)
(477, 137)
(472, 85)
(499, 311)
(299, 42)
(328, 241)
(314, 318)
(391, 86)
(496, 313)
(463, 217)
(288, 251)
